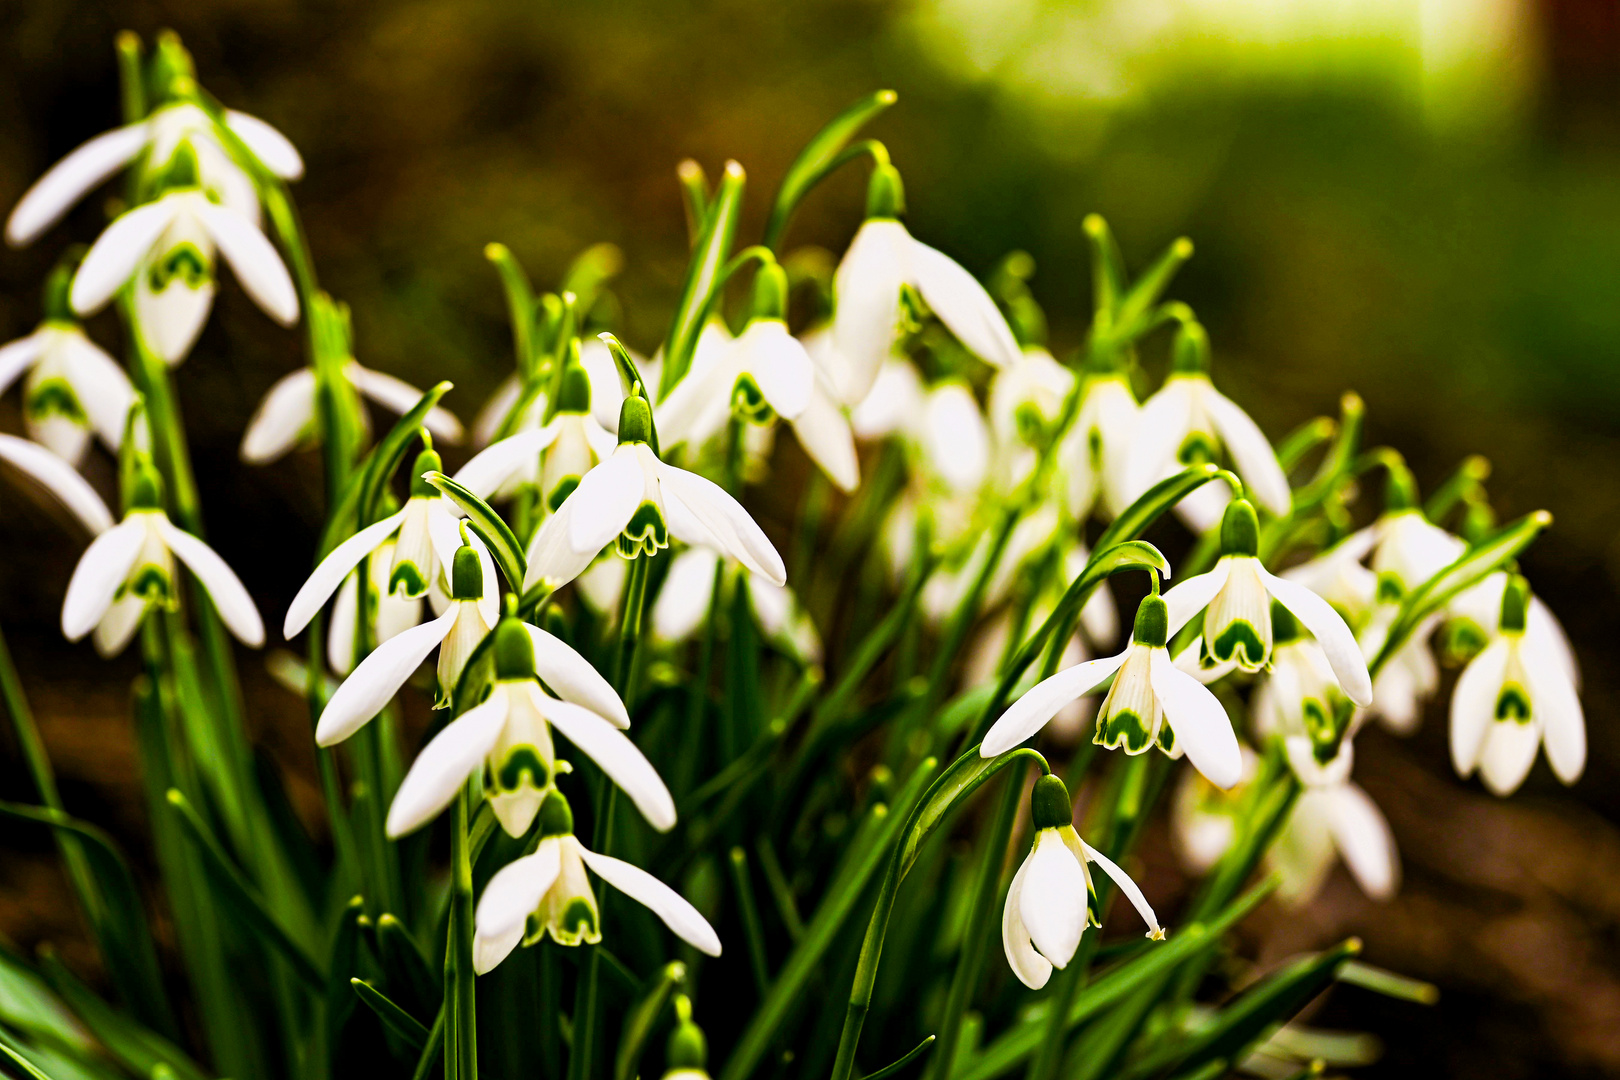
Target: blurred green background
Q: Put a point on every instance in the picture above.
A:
(1416, 199)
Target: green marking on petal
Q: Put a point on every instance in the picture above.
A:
(55, 397)
(646, 533)
(1125, 728)
(1390, 589)
(407, 580)
(1166, 739)
(1513, 704)
(522, 767)
(1197, 448)
(184, 261)
(152, 584)
(748, 401)
(1239, 641)
(578, 920)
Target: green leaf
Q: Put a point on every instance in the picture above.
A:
(965, 776)
(1150, 284)
(121, 926)
(131, 1044)
(494, 532)
(1472, 567)
(235, 889)
(912, 1055)
(386, 456)
(406, 965)
(430, 1052)
(397, 1020)
(639, 1021)
(519, 305)
(19, 1061)
(708, 258)
(345, 954)
(818, 158)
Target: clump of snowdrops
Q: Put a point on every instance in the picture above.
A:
(701, 797)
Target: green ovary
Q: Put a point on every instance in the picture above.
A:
(645, 534)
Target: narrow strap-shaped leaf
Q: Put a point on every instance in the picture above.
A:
(814, 161)
(491, 529)
(15, 1057)
(708, 257)
(1391, 984)
(430, 1052)
(1010, 1050)
(519, 304)
(121, 927)
(1272, 1001)
(344, 958)
(390, 451)
(396, 1019)
(132, 1045)
(241, 894)
(405, 962)
(956, 784)
(1469, 569)
(643, 1015)
(912, 1055)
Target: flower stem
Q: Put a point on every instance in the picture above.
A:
(460, 999)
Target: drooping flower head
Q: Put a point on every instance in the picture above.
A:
(1052, 899)
(1332, 817)
(548, 893)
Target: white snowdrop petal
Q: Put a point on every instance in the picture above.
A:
(333, 569)
(273, 149)
(824, 432)
(552, 560)
(867, 285)
(1041, 702)
(118, 626)
(1202, 729)
(378, 678)
(487, 424)
(1053, 903)
(254, 260)
(1032, 969)
(670, 906)
(1193, 595)
(1332, 634)
(1161, 426)
(780, 366)
(573, 679)
(117, 251)
(1558, 710)
(61, 479)
(18, 356)
(102, 568)
(962, 305)
(1506, 758)
(604, 501)
(101, 385)
(493, 466)
(1473, 705)
(956, 437)
(696, 407)
(66, 182)
(287, 411)
(1364, 840)
(1256, 461)
(1126, 886)
(618, 757)
(400, 397)
(514, 893)
(489, 951)
(740, 536)
(225, 589)
(683, 601)
(444, 764)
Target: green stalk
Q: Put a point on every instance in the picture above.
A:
(460, 998)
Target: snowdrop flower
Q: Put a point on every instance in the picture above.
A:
(605, 392)
(688, 589)
(1479, 609)
(943, 421)
(510, 733)
(392, 615)
(1189, 421)
(130, 568)
(638, 502)
(286, 416)
(1093, 455)
(1515, 695)
(1236, 598)
(1333, 816)
(686, 1057)
(549, 893)
(1302, 695)
(472, 610)
(1152, 702)
(1026, 394)
(59, 478)
(424, 533)
(168, 247)
(881, 259)
(158, 137)
(1050, 902)
(72, 388)
(572, 444)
